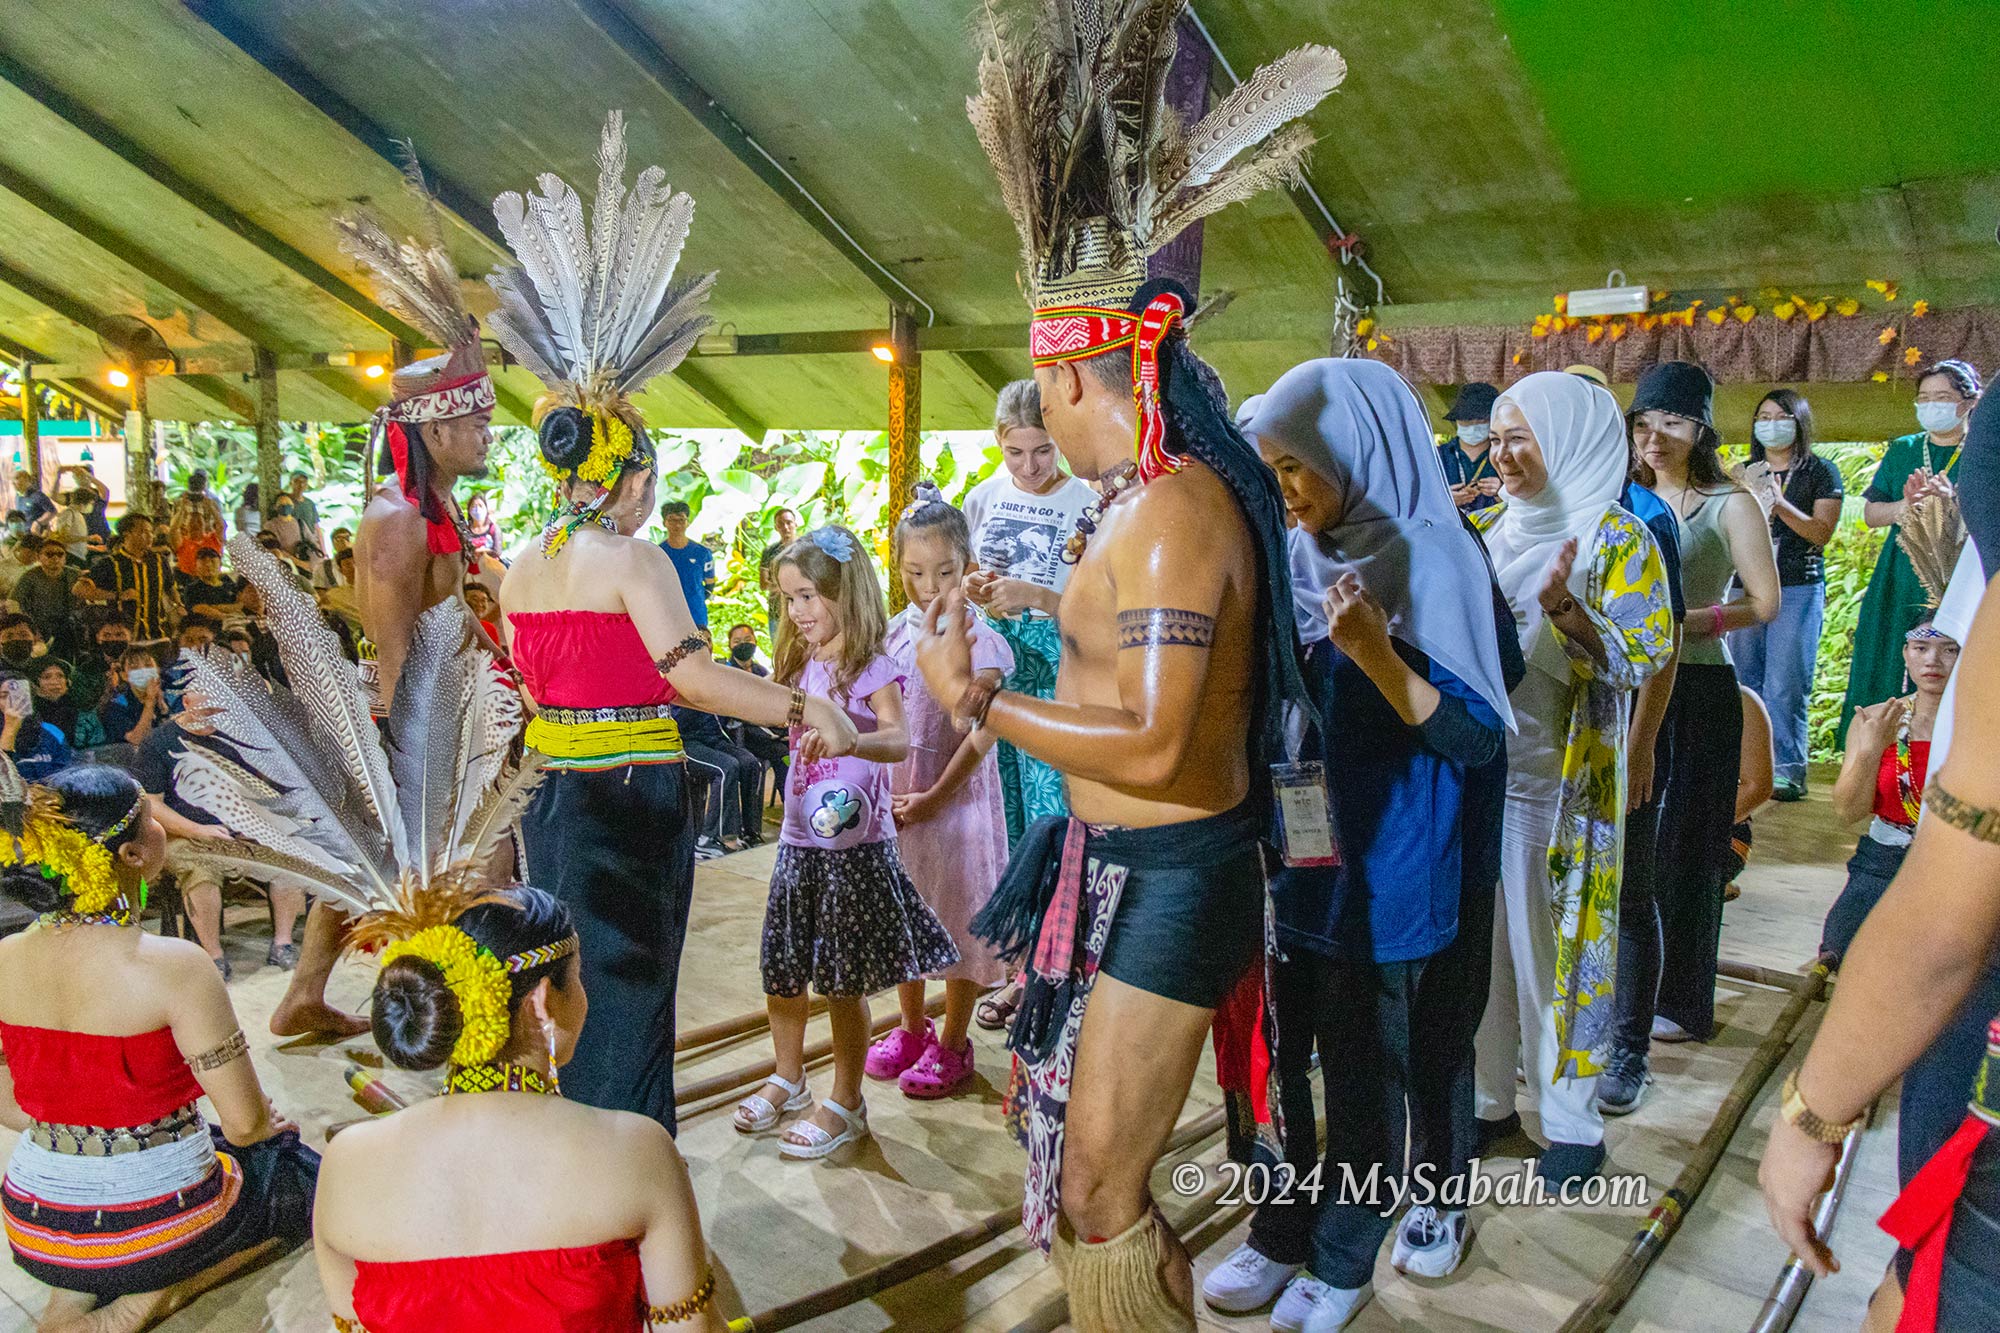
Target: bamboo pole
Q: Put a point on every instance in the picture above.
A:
(897, 1271)
(751, 1075)
(1762, 976)
(740, 1026)
(31, 424)
(1788, 1293)
(1596, 1312)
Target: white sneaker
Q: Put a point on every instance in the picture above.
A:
(1665, 1029)
(1430, 1243)
(1296, 1306)
(1335, 1307)
(1245, 1281)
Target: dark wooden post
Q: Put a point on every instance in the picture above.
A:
(269, 462)
(31, 424)
(141, 495)
(906, 393)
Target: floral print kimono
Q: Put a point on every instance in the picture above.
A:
(1627, 600)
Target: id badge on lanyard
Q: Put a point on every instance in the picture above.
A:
(1305, 814)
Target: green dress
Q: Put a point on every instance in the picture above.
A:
(1029, 788)
(1895, 600)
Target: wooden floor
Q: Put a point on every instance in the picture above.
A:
(781, 1229)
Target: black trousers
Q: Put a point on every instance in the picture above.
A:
(1358, 1015)
(736, 802)
(1451, 992)
(1696, 817)
(618, 848)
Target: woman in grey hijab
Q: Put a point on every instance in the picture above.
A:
(1395, 602)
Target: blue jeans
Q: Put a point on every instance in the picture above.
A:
(1777, 661)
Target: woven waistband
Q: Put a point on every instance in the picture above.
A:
(604, 742)
(98, 1141)
(580, 717)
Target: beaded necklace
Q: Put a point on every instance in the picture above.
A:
(1112, 484)
(119, 913)
(1906, 778)
(501, 1076)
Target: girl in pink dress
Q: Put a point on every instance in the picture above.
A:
(951, 823)
(843, 917)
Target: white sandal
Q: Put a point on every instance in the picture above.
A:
(755, 1114)
(818, 1142)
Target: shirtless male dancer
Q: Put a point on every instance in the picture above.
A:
(411, 551)
(1178, 653)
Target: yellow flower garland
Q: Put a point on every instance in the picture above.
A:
(476, 978)
(68, 856)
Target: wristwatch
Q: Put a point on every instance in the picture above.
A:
(1797, 1114)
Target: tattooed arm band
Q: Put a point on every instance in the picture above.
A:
(680, 652)
(1162, 627)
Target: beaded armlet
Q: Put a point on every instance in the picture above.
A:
(347, 1325)
(234, 1048)
(703, 1296)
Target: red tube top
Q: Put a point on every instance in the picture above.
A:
(586, 1289)
(1888, 796)
(77, 1078)
(585, 659)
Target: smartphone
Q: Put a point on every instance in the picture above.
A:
(15, 692)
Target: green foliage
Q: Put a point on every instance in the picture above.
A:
(330, 455)
(1850, 561)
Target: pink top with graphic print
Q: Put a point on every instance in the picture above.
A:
(835, 804)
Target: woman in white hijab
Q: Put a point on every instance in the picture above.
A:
(1396, 607)
(1589, 595)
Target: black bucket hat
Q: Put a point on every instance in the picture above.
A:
(1474, 403)
(1679, 387)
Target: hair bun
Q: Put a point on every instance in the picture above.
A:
(565, 437)
(927, 493)
(414, 1016)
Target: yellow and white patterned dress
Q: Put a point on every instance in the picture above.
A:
(1626, 599)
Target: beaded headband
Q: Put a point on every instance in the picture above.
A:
(104, 839)
(1924, 632)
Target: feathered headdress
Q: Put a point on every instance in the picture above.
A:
(595, 314)
(1932, 534)
(1099, 172)
(397, 832)
(416, 279)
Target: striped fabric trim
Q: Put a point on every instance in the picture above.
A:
(593, 747)
(95, 1238)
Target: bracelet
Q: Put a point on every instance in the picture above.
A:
(1982, 822)
(797, 716)
(975, 703)
(235, 1047)
(693, 643)
(1800, 1116)
(679, 1310)
(1715, 630)
(347, 1325)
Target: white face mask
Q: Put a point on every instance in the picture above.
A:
(1938, 418)
(142, 678)
(1775, 434)
(1473, 432)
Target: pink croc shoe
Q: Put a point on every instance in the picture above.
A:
(896, 1052)
(940, 1073)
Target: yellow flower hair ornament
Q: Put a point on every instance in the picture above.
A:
(77, 862)
(477, 980)
(611, 449)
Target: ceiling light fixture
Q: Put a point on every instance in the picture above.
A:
(884, 353)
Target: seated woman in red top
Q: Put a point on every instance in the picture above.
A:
(118, 1194)
(598, 626)
(590, 1225)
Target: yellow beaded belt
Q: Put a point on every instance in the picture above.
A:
(98, 1141)
(594, 739)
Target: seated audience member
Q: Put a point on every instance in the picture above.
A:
(198, 633)
(769, 746)
(484, 609)
(37, 749)
(208, 588)
(340, 599)
(263, 644)
(733, 815)
(236, 640)
(119, 1195)
(326, 573)
(138, 701)
(58, 707)
(20, 642)
(47, 595)
(72, 524)
(273, 543)
(90, 681)
(17, 557)
(200, 886)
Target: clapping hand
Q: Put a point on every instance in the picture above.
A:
(1874, 726)
(1355, 621)
(1555, 587)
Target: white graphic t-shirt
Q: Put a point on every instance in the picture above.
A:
(1022, 535)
